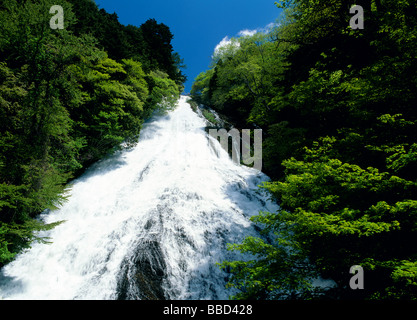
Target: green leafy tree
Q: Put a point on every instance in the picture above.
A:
(339, 145)
(115, 98)
(164, 93)
(64, 103)
(35, 126)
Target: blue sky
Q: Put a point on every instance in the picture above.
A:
(198, 26)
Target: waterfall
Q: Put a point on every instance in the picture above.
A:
(150, 222)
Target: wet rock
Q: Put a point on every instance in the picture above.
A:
(142, 277)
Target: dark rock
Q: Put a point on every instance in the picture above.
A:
(142, 277)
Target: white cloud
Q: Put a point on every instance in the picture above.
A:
(266, 29)
(226, 42)
(247, 32)
(270, 26)
(234, 43)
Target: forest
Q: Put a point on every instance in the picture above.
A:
(69, 97)
(337, 107)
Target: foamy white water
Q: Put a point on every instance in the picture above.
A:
(148, 223)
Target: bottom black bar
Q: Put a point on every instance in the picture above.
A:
(159, 310)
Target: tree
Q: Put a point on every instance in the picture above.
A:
(340, 147)
(35, 125)
(114, 98)
(164, 93)
(65, 103)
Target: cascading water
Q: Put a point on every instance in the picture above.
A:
(146, 223)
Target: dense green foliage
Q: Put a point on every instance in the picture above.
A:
(338, 110)
(67, 98)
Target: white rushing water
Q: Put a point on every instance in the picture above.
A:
(146, 223)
